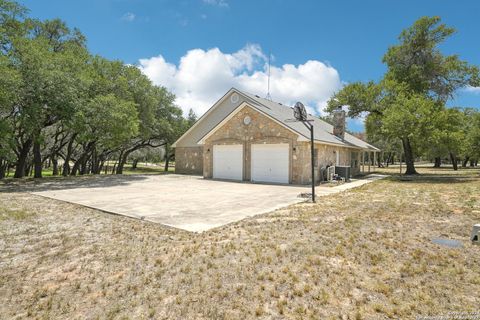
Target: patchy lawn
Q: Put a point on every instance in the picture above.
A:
(363, 254)
(427, 168)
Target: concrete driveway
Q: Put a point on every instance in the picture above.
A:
(186, 202)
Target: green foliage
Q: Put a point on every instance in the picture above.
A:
(360, 97)
(50, 88)
(472, 133)
(12, 23)
(107, 120)
(448, 134)
(57, 98)
(408, 104)
(417, 61)
(191, 118)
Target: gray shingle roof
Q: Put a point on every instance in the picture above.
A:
(323, 131)
(221, 109)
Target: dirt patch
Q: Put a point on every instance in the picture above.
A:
(362, 254)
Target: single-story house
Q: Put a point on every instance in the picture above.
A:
(247, 138)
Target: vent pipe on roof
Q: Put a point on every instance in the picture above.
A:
(339, 122)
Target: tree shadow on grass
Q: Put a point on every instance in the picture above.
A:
(434, 179)
(63, 183)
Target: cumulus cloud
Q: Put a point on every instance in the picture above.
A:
(473, 89)
(128, 17)
(203, 76)
(218, 3)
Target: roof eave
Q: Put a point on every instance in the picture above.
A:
(213, 107)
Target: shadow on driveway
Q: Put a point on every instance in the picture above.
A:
(63, 183)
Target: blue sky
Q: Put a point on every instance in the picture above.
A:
(226, 42)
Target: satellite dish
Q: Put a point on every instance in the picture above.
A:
(299, 112)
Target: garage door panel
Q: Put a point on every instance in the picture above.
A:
(270, 163)
(228, 162)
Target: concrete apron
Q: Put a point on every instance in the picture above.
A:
(190, 202)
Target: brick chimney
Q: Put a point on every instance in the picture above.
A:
(339, 123)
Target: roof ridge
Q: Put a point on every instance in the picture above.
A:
(323, 123)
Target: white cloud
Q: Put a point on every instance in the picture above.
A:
(219, 3)
(472, 89)
(203, 76)
(129, 17)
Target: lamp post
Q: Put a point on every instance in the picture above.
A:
(300, 114)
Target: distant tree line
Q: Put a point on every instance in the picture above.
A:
(407, 110)
(63, 106)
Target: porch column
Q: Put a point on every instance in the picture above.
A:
(363, 161)
(374, 160)
(369, 160)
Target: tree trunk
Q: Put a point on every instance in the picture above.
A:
(55, 166)
(465, 162)
(134, 164)
(472, 163)
(389, 158)
(121, 163)
(37, 160)
(68, 156)
(3, 168)
(409, 157)
(123, 159)
(80, 164)
(94, 162)
(438, 162)
(167, 162)
(84, 166)
(21, 165)
(99, 167)
(454, 161)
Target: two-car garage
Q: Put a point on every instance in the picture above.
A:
(269, 162)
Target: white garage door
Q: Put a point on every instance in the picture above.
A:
(228, 162)
(270, 163)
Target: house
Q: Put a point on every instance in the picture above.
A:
(247, 138)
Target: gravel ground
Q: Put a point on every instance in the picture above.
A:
(362, 254)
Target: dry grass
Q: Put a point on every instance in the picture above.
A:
(363, 254)
(426, 168)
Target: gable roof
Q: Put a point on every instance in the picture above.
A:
(323, 131)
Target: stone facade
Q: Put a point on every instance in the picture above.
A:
(262, 129)
(189, 160)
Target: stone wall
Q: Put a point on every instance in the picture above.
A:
(189, 160)
(262, 129)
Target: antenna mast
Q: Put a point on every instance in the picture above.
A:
(268, 97)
